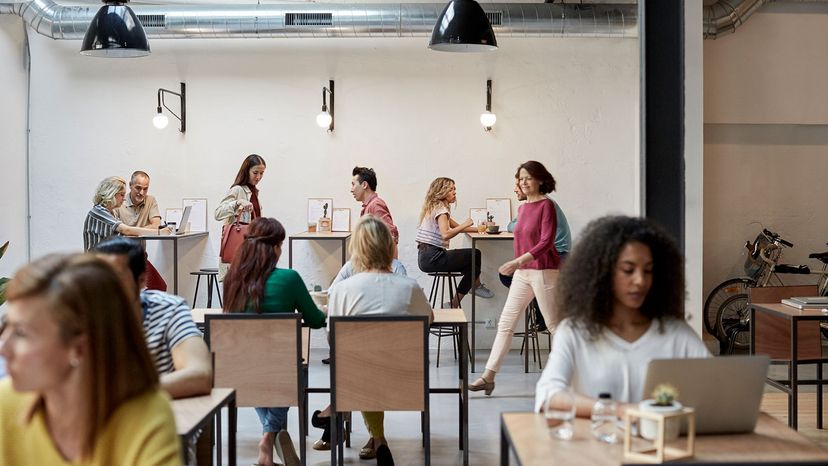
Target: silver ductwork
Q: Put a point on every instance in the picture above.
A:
(724, 16)
(334, 20)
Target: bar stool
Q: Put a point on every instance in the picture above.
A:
(441, 280)
(212, 279)
(530, 336)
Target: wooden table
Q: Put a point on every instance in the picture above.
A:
(475, 237)
(794, 315)
(175, 239)
(341, 236)
(193, 414)
(527, 435)
(456, 319)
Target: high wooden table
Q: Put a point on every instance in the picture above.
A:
(795, 316)
(193, 414)
(341, 236)
(527, 435)
(175, 239)
(475, 237)
(456, 319)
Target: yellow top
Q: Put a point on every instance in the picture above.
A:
(141, 432)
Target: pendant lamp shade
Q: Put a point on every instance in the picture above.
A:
(116, 32)
(463, 27)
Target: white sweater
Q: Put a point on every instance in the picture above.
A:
(611, 364)
(372, 293)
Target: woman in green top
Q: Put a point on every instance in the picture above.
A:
(254, 284)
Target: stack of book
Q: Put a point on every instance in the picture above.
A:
(807, 302)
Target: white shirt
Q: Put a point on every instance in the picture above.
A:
(347, 271)
(611, 364)
(374, 293)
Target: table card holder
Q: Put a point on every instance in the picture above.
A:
(657, 452)
(318, 209)
(341, 220)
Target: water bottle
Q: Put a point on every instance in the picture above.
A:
(604, 419)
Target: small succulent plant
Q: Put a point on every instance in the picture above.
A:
(489, 217)
(664, 394)
(325, 210)
(3, 280)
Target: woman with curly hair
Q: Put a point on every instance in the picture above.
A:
(435, 230)
(621, 302)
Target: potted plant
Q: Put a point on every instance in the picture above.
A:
(3, 280)
(663, 401)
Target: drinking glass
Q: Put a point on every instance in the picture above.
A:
(481, 228)
(559, 411)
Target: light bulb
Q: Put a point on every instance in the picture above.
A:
(160, 121)
(488, 119)
(324, 120)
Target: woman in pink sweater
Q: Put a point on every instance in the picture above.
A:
(534, 268)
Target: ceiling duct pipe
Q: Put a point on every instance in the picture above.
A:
(334, 20)
(724, 16)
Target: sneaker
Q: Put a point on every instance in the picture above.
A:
(483, 292)
(285, 449)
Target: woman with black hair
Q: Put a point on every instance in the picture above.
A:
(621, 302)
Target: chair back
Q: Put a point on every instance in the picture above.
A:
(258, 355)
(379, 363)
(773, 333)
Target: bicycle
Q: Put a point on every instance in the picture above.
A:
(726, 307)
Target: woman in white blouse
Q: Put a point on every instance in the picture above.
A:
(621, 299)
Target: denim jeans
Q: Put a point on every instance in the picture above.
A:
(434, 259)
(273, 419)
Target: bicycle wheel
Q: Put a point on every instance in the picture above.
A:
(717, 297)
(734, 311)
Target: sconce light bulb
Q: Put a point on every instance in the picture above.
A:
(160, 121)
(324, 120)
(488, 119)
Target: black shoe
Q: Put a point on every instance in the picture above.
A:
(319, 421)
(326, 360)
(384, 457)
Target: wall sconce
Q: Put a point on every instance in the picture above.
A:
(487, 118)
(160, 120)
(325, 119)
(115, 31)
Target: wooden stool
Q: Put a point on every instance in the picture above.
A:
(212, 279)
(439, 282)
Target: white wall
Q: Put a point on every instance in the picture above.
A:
(765, 139)
(410, 113)
(13, 97)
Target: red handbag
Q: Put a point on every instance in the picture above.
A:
(232, 236)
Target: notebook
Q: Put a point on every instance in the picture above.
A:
(814, 302)
(725, 391)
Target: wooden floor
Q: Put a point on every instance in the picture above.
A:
(776, 404)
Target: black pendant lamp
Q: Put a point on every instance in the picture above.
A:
(115, 32)
(463, 27)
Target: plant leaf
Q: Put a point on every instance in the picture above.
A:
(3, 249)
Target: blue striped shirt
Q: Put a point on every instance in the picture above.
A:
(167, 322)
(99, 225)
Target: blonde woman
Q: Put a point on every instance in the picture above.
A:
(82, 386)
(435, 230)
(375, 290)
(242, 200)
(101, 223)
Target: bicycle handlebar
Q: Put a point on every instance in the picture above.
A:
(776, 237)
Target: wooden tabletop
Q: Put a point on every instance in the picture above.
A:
(190, 412)
(789, 311)
(200, 313)
(771, 441)
(321, 235)
(501, 235)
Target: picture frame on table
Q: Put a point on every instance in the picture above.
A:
(198, 212)
(341, 220)
(501, 209)
(316, 208)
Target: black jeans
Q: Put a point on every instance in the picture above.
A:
(434, 259)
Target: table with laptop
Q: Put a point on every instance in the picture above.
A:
(179, 233)
(725, 393)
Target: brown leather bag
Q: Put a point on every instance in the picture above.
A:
(232, 236)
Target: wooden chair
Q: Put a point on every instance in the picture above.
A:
(379, 363)
(260, 355)
(772, 336)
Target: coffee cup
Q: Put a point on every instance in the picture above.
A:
(493, 229)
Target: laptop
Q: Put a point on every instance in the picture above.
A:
(181, 228)
(725, 391)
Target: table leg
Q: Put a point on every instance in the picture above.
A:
(231, 432)
(504, 446)
(175, 266)
(290, 253)
(218, 437)
(794, 375)
(473, 264)
(343, 252)
(464, 382)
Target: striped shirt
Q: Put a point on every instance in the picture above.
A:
(99, 225)
(429, 230)
(167, 322)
